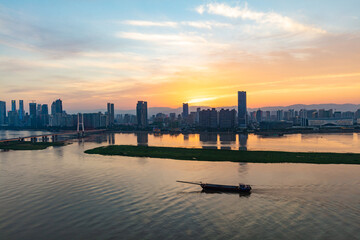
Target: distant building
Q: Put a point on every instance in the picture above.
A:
(56, 107)
(142, 114)
(2, 112)
(318, 122)
(32, 110)
(110, 114)
(44, 115)
(259, 115)
(21, 109)
(227, 119)
(208, 118)
(185, 112)
(93, 120)
(242, 109)
(13, 105)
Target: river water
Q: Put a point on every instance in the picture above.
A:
(62, 193)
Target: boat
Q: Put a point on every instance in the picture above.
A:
(241, 188)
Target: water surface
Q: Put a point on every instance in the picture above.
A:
(62, 193)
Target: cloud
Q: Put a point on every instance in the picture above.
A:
(195, 24)
(268, 18)
(150, 23)
(177, 39)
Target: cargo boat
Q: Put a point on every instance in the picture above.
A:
(241, 188)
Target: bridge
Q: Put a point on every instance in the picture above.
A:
(80, 132)
(54, 136)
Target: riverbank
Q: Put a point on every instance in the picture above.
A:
(227, 155)
(17, 145)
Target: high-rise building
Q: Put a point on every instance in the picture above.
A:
(21, 109)
(242, 109)
(208, 118)
(259, 115)
(2, 112)
(44, 115)
(56, 107)
(110, 114)
(142, 114)
(13, 105)
(185, 112)
(32, 110)
(227, 118)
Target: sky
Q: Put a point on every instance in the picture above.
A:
(90, 52)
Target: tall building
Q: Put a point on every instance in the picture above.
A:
(21, 109)
(56, 107)
(142, 114)
(185, 112)
(44, 115)
(32, 110)
(227, 118)
(2, 112)
(208, 118)
(13, 105)
(110, 114)
(242, 109)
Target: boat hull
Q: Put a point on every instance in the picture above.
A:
(224, 188)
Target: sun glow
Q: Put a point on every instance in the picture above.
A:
(200, 100)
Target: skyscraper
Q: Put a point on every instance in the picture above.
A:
(110, 114)
(242, 109)
(56, 107)
(141, 114)
(44, 115)
(2, 112)
(13, 105)
(185, 112)
(21, 109)
(32, 110)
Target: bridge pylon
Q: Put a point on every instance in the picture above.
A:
(80, 124)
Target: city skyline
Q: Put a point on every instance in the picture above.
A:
(191, 51)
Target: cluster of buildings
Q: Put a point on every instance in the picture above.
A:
(39, 116)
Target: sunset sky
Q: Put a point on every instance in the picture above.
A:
(92, 52)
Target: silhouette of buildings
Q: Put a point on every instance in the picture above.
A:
(185, 112)
(227, 119)
(142, 114)
(242, 109)
(110, 114)
(2, 113)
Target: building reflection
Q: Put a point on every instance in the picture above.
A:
(227, 138)
(243, 138)
(208, 137)
(111, 138)
(142, 138)
(243, 169)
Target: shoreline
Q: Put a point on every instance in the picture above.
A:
(26, 145)
(219, 155)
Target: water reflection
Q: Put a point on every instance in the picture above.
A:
(227, 138)
(243, 138)
(142, 138)
(111, 138)
(208, 137)
(243, 169)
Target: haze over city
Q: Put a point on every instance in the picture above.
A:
(201, 52)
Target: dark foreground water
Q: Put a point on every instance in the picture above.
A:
(62, 193)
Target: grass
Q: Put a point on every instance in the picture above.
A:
(16, 145)
(227, 155)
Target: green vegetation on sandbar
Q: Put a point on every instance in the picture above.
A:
(227, 155)
(17, 145)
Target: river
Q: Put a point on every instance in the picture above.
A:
(62, 193)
